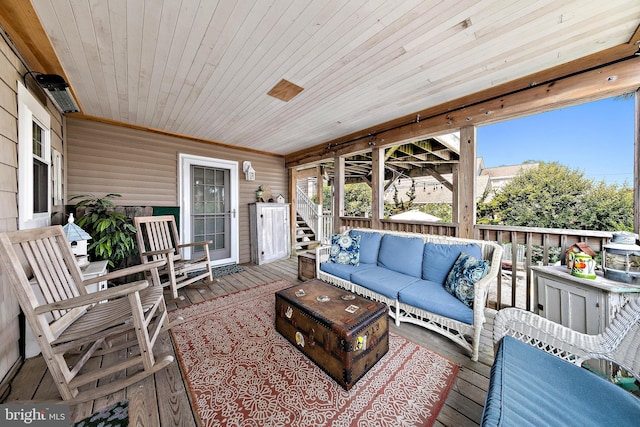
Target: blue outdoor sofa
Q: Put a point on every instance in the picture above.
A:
(408, 272)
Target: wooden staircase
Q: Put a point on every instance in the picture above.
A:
(305, 237)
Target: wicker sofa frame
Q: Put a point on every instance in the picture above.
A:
(463, 334)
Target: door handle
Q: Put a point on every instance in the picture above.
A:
(233, 213)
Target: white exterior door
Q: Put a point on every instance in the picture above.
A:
(209, 206)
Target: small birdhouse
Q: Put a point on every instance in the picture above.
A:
(577, 248)
(280, 198)
(77, 237)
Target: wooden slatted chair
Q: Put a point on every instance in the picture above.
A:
(158, 239)
(71, 325)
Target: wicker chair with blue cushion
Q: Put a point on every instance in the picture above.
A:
(537, 378)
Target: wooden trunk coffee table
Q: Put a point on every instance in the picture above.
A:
(343, 333)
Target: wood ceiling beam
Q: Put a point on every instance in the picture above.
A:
(21, 22)
(557, 87)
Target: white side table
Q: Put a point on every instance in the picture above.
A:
(91, 270)
(95, 269)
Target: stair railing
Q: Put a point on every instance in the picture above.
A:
(310, 212)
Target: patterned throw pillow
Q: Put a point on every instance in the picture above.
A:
(345, 249)
(466, 271)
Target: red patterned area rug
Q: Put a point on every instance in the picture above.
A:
(242, 372)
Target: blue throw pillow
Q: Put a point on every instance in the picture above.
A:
(440, 257)
(466, 271)
(345, 249)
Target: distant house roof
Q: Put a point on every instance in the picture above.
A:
(501, 175)
(508, 171)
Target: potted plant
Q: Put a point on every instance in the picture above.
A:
(113, 234)
(259, 193)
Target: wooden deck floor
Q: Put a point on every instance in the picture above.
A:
(162, 400)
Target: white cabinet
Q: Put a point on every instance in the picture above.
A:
(270, 232)
(584, 305)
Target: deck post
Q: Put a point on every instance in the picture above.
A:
(466, 183)
(338, 193)
(377, 190)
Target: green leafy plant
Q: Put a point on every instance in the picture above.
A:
(113, 234)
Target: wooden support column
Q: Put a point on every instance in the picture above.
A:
(466, 201)
(293, 200)
(377, 190)
(455, 208)
(319, 185)
(636, 167)
(338, 192)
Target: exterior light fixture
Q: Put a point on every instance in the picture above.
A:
(57, 90)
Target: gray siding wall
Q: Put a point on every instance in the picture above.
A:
(142, 166)
(11, 72)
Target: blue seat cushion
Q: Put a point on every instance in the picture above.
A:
(402, 254)
(433, 297)
(369, 245)
(529, 387)
(439, 258)
(343, 271)
(382, 280)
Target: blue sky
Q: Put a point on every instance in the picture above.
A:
(595, 138)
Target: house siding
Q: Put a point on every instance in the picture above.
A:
(11, 72)
(142, 166)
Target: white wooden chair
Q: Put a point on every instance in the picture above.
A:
(158, 239)
(71, 325)
(619, 343)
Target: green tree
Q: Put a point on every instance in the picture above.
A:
(554, 196)
(357, 199)
(444, 211)
(607, 207)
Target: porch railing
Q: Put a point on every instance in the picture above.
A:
(326, 225)
(528, 246)
(542, 246)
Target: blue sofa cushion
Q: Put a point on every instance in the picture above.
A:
(439, 258)
(343, 271)
(466, 271)
(382, 280)
(345, 249)
(369, 245)
(401, 254)
(432, 297)
(529, 387)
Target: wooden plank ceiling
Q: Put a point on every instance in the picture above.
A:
(204, 68)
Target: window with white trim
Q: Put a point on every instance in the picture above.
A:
(34, 161)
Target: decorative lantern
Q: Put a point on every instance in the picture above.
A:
(78, 239)
(621, 258)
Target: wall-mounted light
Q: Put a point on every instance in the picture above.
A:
(249, 172)
(57, 90)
